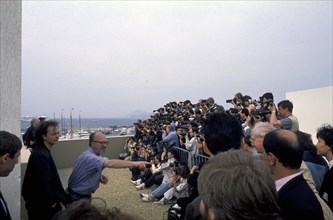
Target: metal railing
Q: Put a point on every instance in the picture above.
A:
(185, 156)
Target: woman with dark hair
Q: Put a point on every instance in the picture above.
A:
(310, 150)
(178, 186)
(324, 146)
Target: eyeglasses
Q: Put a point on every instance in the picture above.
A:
(102, 142)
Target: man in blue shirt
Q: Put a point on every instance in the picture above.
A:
(87, 171)
(170, 137)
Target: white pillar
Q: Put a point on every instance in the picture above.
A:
(10, 93)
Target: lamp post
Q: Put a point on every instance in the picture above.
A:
(62, 122)
(80, 125)
(71, 123)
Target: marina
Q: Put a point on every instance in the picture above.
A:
(83, 127)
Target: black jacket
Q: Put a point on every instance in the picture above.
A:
(326, 190)
(297, 201)
(4, 212)
(42, 187)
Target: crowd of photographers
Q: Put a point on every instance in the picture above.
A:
(178, 126)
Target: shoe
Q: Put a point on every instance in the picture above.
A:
(148, 198)
(143, 195)
(176, 206)
(136, 182)
(172, 201)
(160, 202)
(141, 186)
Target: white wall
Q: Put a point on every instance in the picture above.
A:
(10, 93)
(312, 107)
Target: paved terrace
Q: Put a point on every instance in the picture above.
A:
(121, 193)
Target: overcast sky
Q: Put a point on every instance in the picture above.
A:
(112, 58)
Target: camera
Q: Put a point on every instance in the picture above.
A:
(261, 112)
(236, 101)
(269, 102)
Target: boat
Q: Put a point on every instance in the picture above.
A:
(84, 133)
(27, 118)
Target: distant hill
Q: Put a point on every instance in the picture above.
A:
(139, 114)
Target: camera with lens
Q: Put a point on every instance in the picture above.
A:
(234, 100)
(269, 102)
(261, 112)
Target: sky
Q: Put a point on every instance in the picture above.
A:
(111, 59)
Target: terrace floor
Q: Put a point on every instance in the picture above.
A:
(121, 193)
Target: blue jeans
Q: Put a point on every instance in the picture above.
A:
(159, 191)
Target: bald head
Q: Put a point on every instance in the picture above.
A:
(289, 135)
(95, 135)
(285, 146)
(98, 142)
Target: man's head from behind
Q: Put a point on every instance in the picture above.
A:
(237, 185)
(282, 146)
(10, 148)
(34, 122)
(221, 132)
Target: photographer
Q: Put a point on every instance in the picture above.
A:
(151, 176)
(139, 154)
(190, 143)
(212, 106)
(288, 121)
(130, 148)
(167, 169)
(263, 107)
(178, 186)
(203, 106)
(236, 101)
(170, 137)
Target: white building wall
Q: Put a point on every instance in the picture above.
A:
(10, 93)
(312, 107)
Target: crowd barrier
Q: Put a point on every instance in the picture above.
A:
(185, 156)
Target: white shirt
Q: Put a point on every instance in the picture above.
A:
(281, 182)
(330, 164)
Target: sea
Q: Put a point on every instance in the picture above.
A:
(89, 123)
